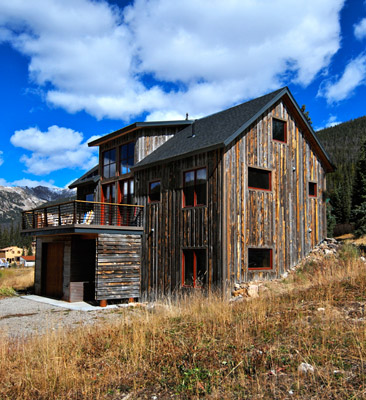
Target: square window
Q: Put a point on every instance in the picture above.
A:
(194, 268)
(154, 192)
(195, 188)
(279, 130)
(313, 189)
(259, 179)
(259, 259)
(89, 197)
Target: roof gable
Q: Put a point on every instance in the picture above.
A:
(91, 176)
(220, 129)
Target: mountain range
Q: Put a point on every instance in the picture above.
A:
(14, 200)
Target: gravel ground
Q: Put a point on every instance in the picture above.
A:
(21, 317)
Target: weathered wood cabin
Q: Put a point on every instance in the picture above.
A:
(183, 205)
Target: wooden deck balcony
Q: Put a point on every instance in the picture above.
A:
(79, 216)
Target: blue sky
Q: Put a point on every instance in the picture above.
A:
(73, 70)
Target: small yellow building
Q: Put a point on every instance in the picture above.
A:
(11, 254)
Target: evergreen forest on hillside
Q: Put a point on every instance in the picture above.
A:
(343, 144)
(10, 236)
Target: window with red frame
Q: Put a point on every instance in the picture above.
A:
(194, 268)
(279, 130)
(259, 179)
(259, 259)
(313, 189)
(154, 192)
(194, 188)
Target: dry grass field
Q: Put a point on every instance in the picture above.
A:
(12, 279)
(206, 347)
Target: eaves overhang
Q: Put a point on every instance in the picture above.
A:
(178, 157)
(136, 126)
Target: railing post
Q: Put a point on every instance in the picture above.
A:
(45, 217)
(59, 215)
(74, 217)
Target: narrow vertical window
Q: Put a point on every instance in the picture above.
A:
(195, 188)
(279, 130)
(313, 190)
(194, 268)
(127, 157)
(109, 163)
(259, 259)
(154, 192)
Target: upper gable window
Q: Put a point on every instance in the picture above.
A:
(259, 179)
(127, 157)
(109, 163)
(313, 190)
(279, 130)
(194, 188)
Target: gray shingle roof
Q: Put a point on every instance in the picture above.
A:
(216, 130)
(91, 176)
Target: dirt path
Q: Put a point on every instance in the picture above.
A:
(21, 317)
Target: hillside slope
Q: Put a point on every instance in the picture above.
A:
(342, 142)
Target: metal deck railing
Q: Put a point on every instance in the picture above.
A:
(84, 213)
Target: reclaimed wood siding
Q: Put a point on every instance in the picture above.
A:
(170, 228)
(118, 266)
(146, 141)
(285, 219)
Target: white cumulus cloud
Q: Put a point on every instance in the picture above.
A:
(166, 58)
(55, 149)
(353, 76)
(332, 121)
(360, 29)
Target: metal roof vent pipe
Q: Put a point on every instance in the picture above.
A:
(193, 131)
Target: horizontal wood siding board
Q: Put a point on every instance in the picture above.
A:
(118, 272)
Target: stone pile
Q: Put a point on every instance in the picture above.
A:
(328, 246)
(246, 290)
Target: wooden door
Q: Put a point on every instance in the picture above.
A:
(53, 269)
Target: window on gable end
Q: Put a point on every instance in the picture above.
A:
(259, 179)
(279, 130)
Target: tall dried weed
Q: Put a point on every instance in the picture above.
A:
(204, 346)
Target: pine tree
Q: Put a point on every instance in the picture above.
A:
(331, 220)
(359, 185)
(340, 200)
(359, 193)
(306, 114)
